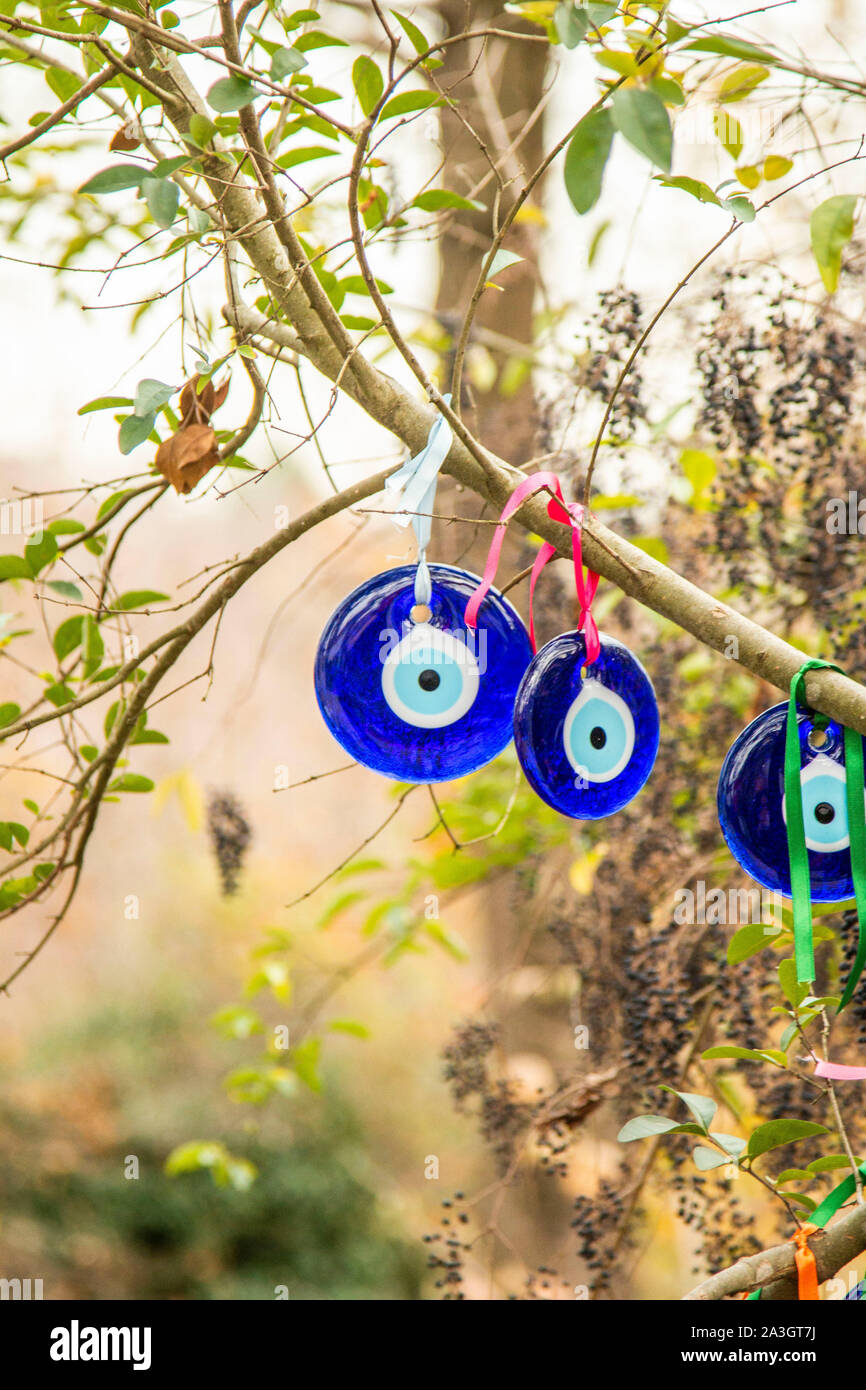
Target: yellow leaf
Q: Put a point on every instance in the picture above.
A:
(581, 875)
(742, 81)
(748, 175)
(776, 166)
(532, 214)
(191, 800)
(161, 792)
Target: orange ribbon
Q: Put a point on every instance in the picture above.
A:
(807, 1270)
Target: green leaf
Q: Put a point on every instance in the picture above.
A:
(502, 260)
(138, 598)
(59, 695)
(749, 940)
(237, 1021)
(745, 1054)
(829, 1162)
(151, 395)
(705, 1159)
(368, 83)
(134, 430)
(113, 500)
(40, 553)
(66, 590)
(793, 991)
(586, 158)
(305, 1060)
(669, 90)
(742, 82)
(302, 154)
(731, 1143)
(740, 208)
(701, 1107)
(63, 84)
(653, 546)
(778, 1132)
(68, 636)
(831, 227)
(795, 1175)
(92, 645)
(788, 1036)
(286, 61)
(570, 24)
(354, 284)
(435, 199)
(165, 167)
(317, 38)
(349, 1025)
(114, 179)
(642, 118)
(406, 102)
(338, 906)
(696, 187)
(8, 714)
(131, 782)
(14, 567)
(799, 1200)
(645, 1127)
(616, 501)
(231, 94)
(729, 133)
(104, 403)
(412, 32)
(162, 197)
(601, 13)
(202, 130)
(728, 47)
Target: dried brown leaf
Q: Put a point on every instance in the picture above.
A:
(125, 139)
(196, 407)
(187, 456)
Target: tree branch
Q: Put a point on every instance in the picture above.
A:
(774, 1272)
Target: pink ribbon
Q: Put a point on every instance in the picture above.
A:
(571, 513)
(835, 1071)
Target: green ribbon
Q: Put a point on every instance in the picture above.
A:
(798, 858)
(830, 1205)
(857, 839)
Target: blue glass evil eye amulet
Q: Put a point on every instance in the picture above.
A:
(586, 736)
(751, 802)
(421, 701)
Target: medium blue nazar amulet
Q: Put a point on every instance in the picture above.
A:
(586, 736)
(751, 801)
(421, 701)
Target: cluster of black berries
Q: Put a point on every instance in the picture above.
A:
(230, 836)
(446, 1250)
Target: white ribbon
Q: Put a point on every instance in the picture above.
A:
(414, 487)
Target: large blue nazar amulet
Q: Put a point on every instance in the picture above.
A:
(586, 736)
(421, 701)
(751, 801)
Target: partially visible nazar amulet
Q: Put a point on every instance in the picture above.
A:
(751, 804)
